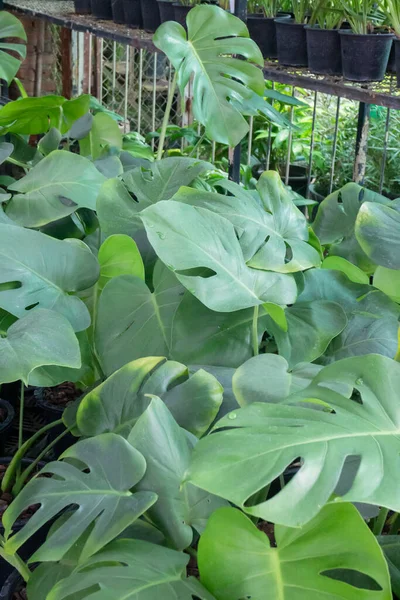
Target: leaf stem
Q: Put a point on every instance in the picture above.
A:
(21, 415)
(395, 526)
(255, 331)
(380, 521)
(164, 126)
(192, 552)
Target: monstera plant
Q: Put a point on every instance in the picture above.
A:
(237, 432)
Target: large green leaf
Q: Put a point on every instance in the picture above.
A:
(57, 186)
(202, 249)
(372, 317)
(202, 336)
(167, 450)
(10, 27)
(236, 560)
(38, 115)
(120, 203)
(266, 226)
(96, 475)
(42, 337)
(377, 231)
(134, 570)
(266, 438)
(117, 403)
(336, 219)
(388, 281)
(390, 545)
(222, 82)
(39, 270)
(119, 255)
(104, 134)
(132, 321)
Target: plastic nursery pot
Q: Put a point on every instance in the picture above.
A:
(117, 7)
(150, 15)
(133, 13)
(323, 50)
(167, 12)
(83, 7)
(365, 57)
(101, 9)
(33, 543)
(391, 68)
(262, 30)
(7, 414)
(291, 43)
(396, 44)
(12, 584)
(53, 412)
(181, 12)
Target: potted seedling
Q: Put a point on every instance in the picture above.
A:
(365, 52)
(291, 35)
(323, 41)
(181, 10)
(167, 10)
(261, 25)
(150, 14)
(392, 9)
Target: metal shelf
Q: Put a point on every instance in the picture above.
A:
(61, 12)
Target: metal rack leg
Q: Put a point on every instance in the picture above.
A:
(361, 143)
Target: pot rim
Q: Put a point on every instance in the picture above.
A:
(261, 17)
(365, 35)
(318, 28)
(290, 21)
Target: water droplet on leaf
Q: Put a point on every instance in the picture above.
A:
(232, 416)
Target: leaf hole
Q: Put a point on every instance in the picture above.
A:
(359, 580)
(67, 201)
(288, 254)
(133, 196)
(203, 272)
(30, 306)
(10, 285)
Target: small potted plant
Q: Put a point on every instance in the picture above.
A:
(150, 14)
(133, 13)
(181, 10)
(365, 52)
(323, 41)
(392, 10)
(261, 25)
(291, 35)
(167, 11)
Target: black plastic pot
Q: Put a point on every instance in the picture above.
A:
(32, 544)
(167, 12)
(365, 57)
(291, 43)
(262, 30)
(181, 12)
(396, 44)
(133, 13)
(51, 413)
(117, 7)
(5, 426)
(150, 15)
(101, 9)
(323, 50)
(83, 7)
(11, 584)
(298, 179)
(391, 68)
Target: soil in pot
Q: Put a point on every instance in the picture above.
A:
(323, 50)
(7, 414)
(262, 30)
(150, 15)
(291, 43)
(117, 7)
(167, 12)
(365, 57)
(181, 12)
(133, 13)
(83, 7)
(101, 9)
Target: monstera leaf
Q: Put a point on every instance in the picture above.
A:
(266, 228)
(377, 232)
(96, 476)
(132, 569)
(56, 187)
(119, 255)
(202, 249)
(265, 438)
(116, 404)
(222, 82)
(132, 321)
(120, 202)
(167, 450)
(372, 318)
(38, 115)
(390, 545)
(103, 135)
(388, 281)
(42, 337)
(10, 27)
(236, 560)
(40, 271)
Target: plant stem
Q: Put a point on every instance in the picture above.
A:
(395, 526)
(380, 521)
(255, 331)
(197, 144)
(21, 415)
(15, 463)
(25, 474)
(164, 126)
(192, 552)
